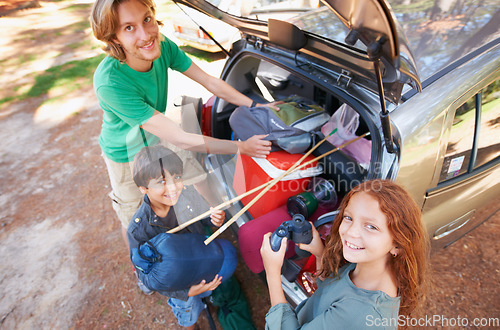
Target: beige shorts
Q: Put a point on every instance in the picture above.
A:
(125, 195)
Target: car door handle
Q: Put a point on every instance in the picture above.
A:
(454, 225)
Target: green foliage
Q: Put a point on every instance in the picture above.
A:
(80, 44)
(202, 55)
(70, 76)
(6, 99)
(78, 26)
(78, 7)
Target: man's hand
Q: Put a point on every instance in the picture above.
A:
(217, 217)
(270, 105)
(203, 286)
(255, 146)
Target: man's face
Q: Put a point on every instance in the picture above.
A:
(138, 35)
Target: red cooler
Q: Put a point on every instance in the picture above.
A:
(253, 172)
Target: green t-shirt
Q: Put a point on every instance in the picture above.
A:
(129, 98)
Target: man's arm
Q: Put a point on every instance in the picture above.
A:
(217, 86)
(222, 89)
(168, 130)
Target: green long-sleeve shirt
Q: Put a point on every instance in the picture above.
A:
(337, 304)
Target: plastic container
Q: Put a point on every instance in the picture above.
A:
(252, 172)
(346, 121)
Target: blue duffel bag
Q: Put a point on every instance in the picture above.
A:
(172, 262)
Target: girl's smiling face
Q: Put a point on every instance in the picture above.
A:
(364, 231)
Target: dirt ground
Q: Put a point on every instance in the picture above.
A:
(64, 262)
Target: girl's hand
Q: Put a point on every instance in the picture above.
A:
(217, 217)
(316, 246)
(272, 260)
(203, 286)
(255, 146)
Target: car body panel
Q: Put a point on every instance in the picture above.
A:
(187, 30)
(424, 136)
(425, 139)
(457, 55)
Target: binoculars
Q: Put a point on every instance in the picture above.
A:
(298, 230)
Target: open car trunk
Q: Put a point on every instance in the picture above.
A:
(265, 80)
(277, 60)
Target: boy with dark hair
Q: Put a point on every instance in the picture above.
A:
(158, 172)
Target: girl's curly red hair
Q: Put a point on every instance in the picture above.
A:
(404, 219)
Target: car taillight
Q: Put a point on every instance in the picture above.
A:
(307, 276)
(202, 34)
(206, 117)
(178, 28)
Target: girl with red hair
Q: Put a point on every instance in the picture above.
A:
(372, 271)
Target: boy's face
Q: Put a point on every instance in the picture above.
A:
(138, 35)
(165, 191)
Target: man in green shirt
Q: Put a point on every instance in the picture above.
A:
(131, 86)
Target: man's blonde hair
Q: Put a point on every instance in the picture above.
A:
(104, 23)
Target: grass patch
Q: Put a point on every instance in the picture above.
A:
(78, 26)
(25, 58)
(202, 55)
(84, 43)
(6, 99)
(77, 7)
(61, 79)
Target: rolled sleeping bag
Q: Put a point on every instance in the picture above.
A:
(171, 262)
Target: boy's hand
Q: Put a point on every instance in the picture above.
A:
(217, 217)
(203, 286)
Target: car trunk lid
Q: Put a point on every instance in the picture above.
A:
(372, 34)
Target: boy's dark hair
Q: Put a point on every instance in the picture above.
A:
(153, 162)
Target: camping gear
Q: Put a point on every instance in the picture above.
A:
(274, 181)
(171, 262)
(346, 121)
(320, 191)
(252, 172)
(341, 170)
(250, 235)
(287, 128)
(234, 312)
